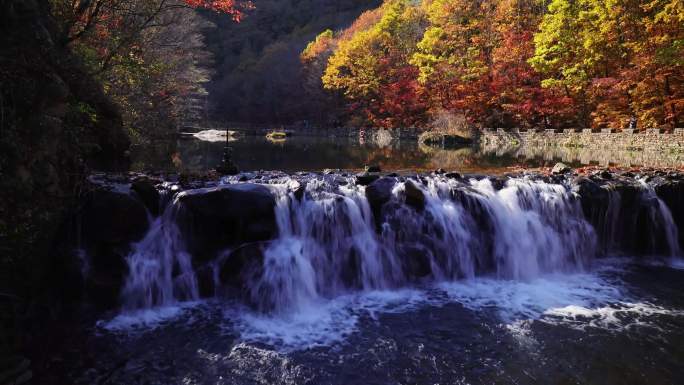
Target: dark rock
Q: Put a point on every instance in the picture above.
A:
(113, 218)
(205, 281)
(605, 174)
(373, 168)
(453, 175)
(393, 174)
(299, 192)
(147, 192)
(215, 219)
(440, 171)
(242, 265)
(498, 182)
(110, 223)
(15, 370)
(365, 179)
(415, 261)
(414, 195)
(378, 193)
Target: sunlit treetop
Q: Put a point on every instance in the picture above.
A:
(234, 8)
(314, 49)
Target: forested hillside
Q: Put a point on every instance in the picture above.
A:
(79, 81)
(541, 63)
(258, 76)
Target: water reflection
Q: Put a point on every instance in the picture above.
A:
(318, 153)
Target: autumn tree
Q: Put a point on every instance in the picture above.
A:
(148, 54)
(538, 63)
(454, 57)
(617, 58)
(371, 68)
(517, 97)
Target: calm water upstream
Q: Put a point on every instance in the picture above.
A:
(300, 153)
(318, 153)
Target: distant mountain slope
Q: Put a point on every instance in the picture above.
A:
(258, 77)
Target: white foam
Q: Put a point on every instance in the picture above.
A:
(676, 263)
(617, 316)
(320, 323)
(519, 300)
(146, 319)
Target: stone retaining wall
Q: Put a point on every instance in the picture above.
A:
(651, 147)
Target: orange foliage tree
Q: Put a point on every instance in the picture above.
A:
(557, 63)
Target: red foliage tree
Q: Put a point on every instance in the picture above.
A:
(231, 7)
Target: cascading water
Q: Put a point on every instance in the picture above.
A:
(331, 239)
(152, 280)
(661, 217)
(327, 244)
(523, 229)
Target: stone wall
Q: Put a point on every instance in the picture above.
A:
(651, 147)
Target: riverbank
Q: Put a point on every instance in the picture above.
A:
(605, 147)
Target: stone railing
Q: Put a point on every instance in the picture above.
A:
(650, 147)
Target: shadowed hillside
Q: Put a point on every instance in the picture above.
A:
(259, 75)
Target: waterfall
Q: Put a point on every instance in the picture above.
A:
(661, 218)
(524, 229)
(332, 239)
(160, 270)
(326, 244)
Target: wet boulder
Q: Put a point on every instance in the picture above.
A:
(414, 195)
(378, 193)
(593, 198)
(145, 189)
(242, 263)
(110, 222)
(415, 261)
(215, 219)
(364, 179)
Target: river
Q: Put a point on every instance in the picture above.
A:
(428, 280)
